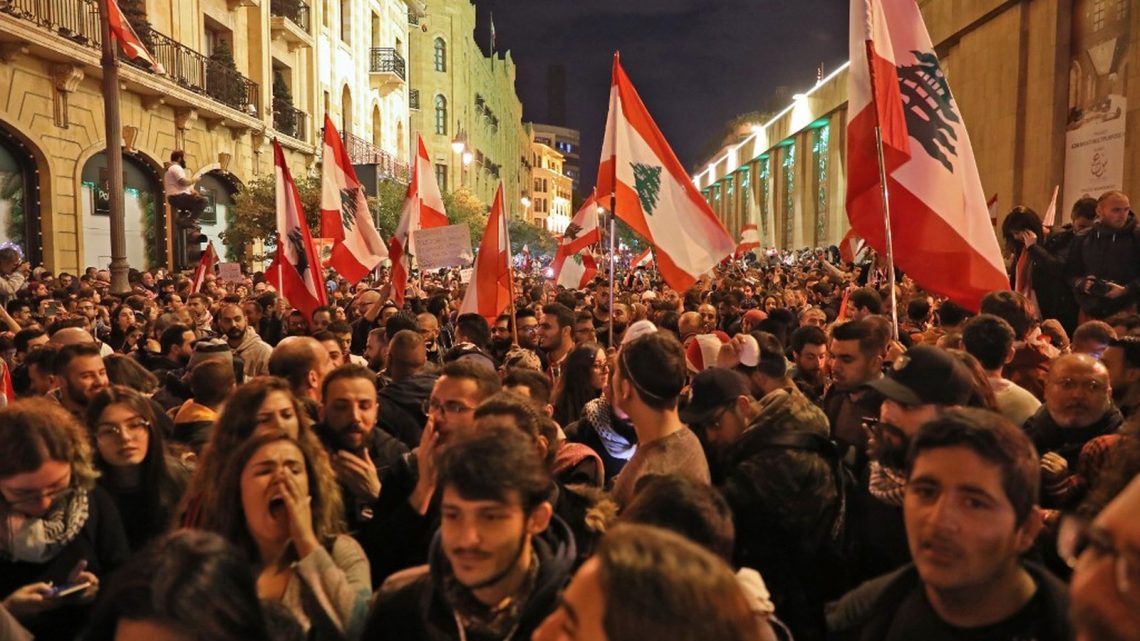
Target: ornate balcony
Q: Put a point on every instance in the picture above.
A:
(289, 21)
(362, 152)
(200, 74)
(387, 69)
(289, 121)
(414, 99)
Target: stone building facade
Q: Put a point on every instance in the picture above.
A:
(1047, 88)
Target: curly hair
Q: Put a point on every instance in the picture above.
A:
(34, 431)
(234, 426)
(327, 505)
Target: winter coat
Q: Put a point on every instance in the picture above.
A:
(1112, 255)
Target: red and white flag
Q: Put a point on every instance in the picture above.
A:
(851, 246)
(1050, 218)
(749, 239)
(488, 292)
(423, 209)
(525, 258)
(574, 266)
(939, 218)
(132, 45)
(345, 217)
(654, 194)
(644, 259)
(7, 390)
(205, 266)
(991, 205)
(296, 270)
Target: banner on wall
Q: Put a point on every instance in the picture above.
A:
(1098, 86)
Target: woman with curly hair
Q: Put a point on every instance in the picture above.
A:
(263, 404)
(60, 528)
(583, 376)
(122, 326)
(286, 514)
(145, 483)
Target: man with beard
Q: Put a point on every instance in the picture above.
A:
(970, 511)
(527, 322)
(500, 558)
(81, 374)
(856, 358)
(919, 387)
(708, 318)
(198, 305)
(1106, 571)
(428, 327)
(556, 336)
(176, 343)
(399, 535)
(1078, 408)
(375, 349)
(783, 493)
(501, 337)
(1122, 360)
(620, 315)
(809, 353)
(360, 453)
(245, 342)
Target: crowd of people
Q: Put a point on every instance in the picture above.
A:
(763, 456)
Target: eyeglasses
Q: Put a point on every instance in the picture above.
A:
(1076, 538)
(1069, 385)
(453, 408)
(109, 432)
(528, 329)
(24, 497)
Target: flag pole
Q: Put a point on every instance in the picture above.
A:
(112, 121)
(613, 261)
(510, 267)
(885, 193)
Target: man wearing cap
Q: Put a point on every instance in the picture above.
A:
(783, 499)
(921, 384)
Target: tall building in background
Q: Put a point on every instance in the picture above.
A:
(566, 142)
(466, 107)
(556, 95)
(550, 195)
(239, 74)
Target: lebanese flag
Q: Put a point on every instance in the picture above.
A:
(205, 266)
(644, 259)
(574, 266)
(942, 233)
(345, 217)
(1051, 213)
(489, 291)
(296, 269)
(991, 204)
(654, 194)
(7, 391)
(525, 258)
(132, 45)
(423, 209)
(749, 239)
(851, 246)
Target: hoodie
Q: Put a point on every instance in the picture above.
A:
(255, 352)
(417, 608)
(401, 407)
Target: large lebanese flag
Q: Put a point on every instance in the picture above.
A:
(345, 217)
(132, 45)
(573, 265)
(654, 194)
(296, 270)
(749, 239)
(423, 209)
(939, 220)
(489, 291)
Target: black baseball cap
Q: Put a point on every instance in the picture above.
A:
(926, 375)
(712, 390)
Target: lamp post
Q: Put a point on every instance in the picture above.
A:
(525, 202)
(459, 145)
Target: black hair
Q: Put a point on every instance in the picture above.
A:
(564, 314)
(346, 371)
(654, 364)
(1019, 219)
(868, 298)
(68, 353)
(475, 328)
(484, 377)
(988, 338)
(1130, 346)
(492, 462)
(872, 341)
(537, 383)
(951, 313)
(1011, 306)
(696, 511)
(1085, 208)
(806, 335)
(172, 336)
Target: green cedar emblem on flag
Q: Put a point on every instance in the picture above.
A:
(647, 182)
(577, 258)
(348, 208)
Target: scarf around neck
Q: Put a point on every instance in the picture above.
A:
(40, 539)
(599, 416)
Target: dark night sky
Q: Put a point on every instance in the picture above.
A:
(697, 64)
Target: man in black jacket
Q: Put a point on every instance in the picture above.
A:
(970, 511)
(1104, 264)
(500, 557)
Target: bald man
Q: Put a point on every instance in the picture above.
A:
(304, 362)
(689, 325)
(1078, 408)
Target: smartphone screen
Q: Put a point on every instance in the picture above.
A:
(66, 590)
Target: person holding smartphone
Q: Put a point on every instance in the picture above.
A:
(64, 532)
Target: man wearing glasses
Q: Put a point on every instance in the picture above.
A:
(970, 507)
(1078, 408)
(1106, 569)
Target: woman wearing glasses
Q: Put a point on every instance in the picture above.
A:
(59, 532)
(144, 481)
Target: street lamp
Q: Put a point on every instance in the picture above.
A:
(467, 156)
(457, 144)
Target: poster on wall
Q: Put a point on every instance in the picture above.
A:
(1098, 86)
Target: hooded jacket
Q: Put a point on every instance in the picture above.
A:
(401, 407)
(418, 610)
(255, 352)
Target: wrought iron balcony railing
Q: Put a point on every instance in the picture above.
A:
(414, 99)
(362, 152)
(289, 121)
(387, 60)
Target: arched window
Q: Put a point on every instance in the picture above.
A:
(440, 55)
(377, 127)
(441, 115)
